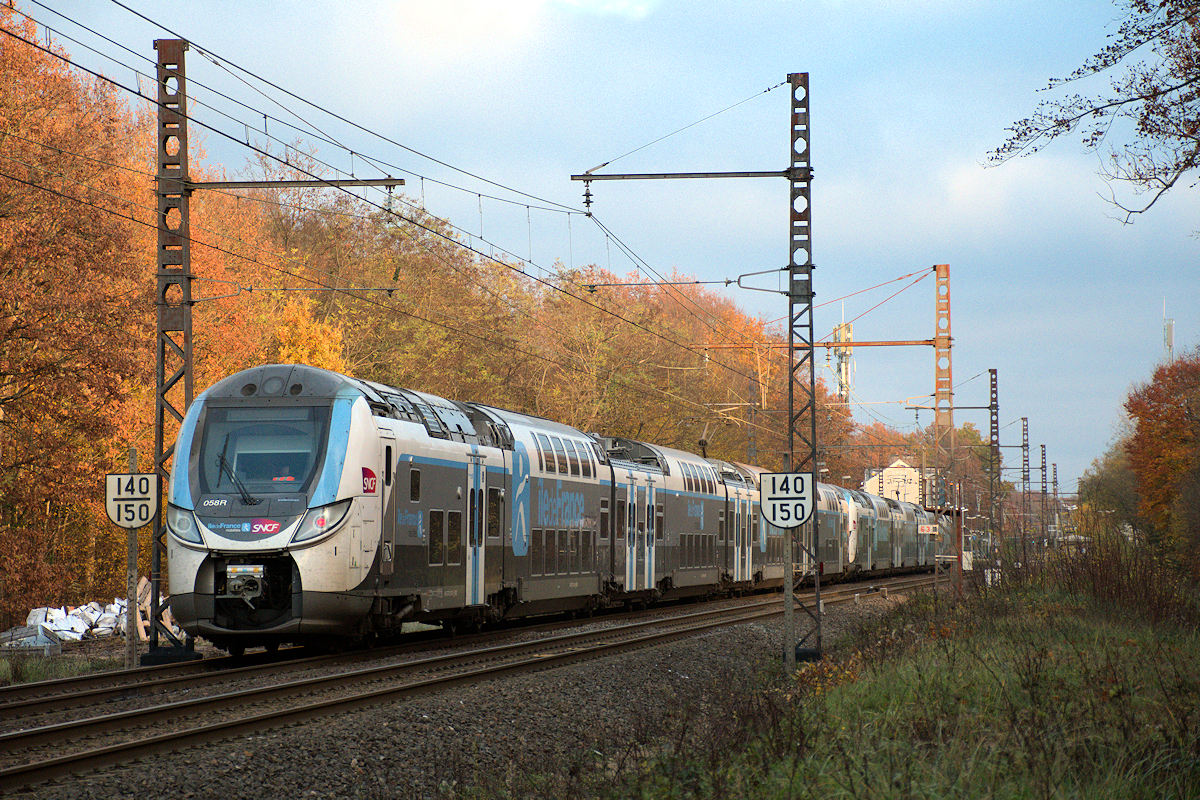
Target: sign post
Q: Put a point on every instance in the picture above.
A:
(787, 500)
(131, 500)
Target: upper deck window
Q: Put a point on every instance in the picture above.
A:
(561, 452)
(545, 453)
(572, 456)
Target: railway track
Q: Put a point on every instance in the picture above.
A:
(281, 693)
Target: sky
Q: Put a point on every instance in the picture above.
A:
(1048, 285)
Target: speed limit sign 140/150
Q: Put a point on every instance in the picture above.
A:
(131, 500)
(787, 499)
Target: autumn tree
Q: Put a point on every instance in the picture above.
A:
(71, 284)
(1149, 118)
(1164, 453)
(1108, 487)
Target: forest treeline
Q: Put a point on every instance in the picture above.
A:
(1148, 482)
(77, 325)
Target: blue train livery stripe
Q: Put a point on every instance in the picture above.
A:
(335, 454)
(180, 491)
(520, 502)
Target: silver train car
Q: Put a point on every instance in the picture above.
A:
(305, 505)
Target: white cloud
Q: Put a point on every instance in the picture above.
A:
(631, 9)
(458, 29)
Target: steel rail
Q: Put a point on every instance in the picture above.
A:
(19, 701)
(42, 696)
(568, 651)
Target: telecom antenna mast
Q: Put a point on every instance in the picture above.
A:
(802, 419)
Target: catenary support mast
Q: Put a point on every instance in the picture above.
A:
(173, 297)
(802, 421)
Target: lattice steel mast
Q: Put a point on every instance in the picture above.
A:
(173, 296)
(802, 421)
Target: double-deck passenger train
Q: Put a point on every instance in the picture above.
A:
(307, 505)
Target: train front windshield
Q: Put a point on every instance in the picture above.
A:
(262, 450)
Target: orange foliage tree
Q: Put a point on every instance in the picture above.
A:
(1164, 454)
(77, 244)
(70, 292)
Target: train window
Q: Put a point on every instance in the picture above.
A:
(589, 551)
(572, 456)
(659, 522)
(721, 526)
(574, 545)
(472, 518)
(387, 465)
(414, 485)
(561, 452)
(622, 519)
(564, 553)
(495, 509)
(545, 453)
(535, 551)
(477, 529)
(604, 519)
(585, 459)
(437, 542)
(454, 537)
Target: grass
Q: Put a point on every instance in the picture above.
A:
(32, 668)
(1077, 679)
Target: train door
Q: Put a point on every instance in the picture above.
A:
(620, 524)
(850, 548)
(639, 547)
(387, 531)
(652, 533)
(476, 515)
(741, 550)
(495, 524)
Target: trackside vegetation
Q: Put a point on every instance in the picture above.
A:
(1079, 678)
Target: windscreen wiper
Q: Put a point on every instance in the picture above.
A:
(227, 468)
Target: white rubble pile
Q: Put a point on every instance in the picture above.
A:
(90, 621)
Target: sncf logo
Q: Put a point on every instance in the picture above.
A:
(370, 482)
(266, 527)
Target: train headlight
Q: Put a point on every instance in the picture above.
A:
(182, 524)
(319, 521)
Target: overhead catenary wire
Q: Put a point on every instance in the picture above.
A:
(321, 136)
(686, 127)
(612, 374)
(488, 256)
(211, 55)
(313, 131)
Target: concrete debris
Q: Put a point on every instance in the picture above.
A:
(47, 628)
(33, 636)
